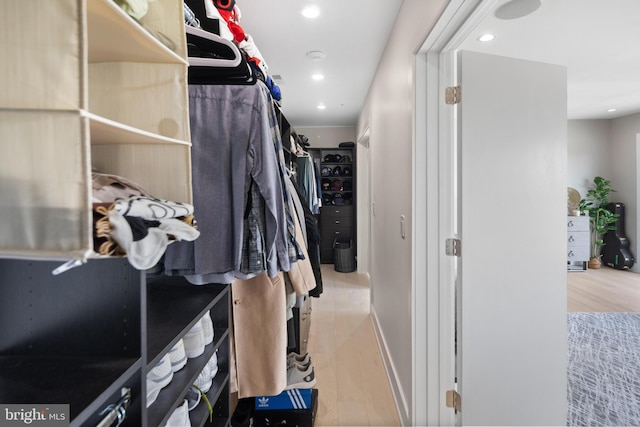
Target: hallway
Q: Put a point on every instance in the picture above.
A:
(351, 379)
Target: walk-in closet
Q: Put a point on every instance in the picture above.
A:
(165, 227)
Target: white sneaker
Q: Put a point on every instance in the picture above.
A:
(207, 327)
(194, 341)
(180, 416)
(213, 364)
(300, 379)
(302, 362)
(178, 356)
(204, 379)
(299, 358)
(158, 377)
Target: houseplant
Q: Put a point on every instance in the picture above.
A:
(600, 218)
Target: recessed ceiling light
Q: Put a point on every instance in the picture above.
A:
(312, 11)
(611, 110)
(486, 37)
(321, 107)
(317, 77)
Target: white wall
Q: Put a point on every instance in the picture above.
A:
(320, 137)
(607, 148)
(624, 174)
(388, 113)
(589, 153)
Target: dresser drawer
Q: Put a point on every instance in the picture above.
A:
(578, 253)
(577, 238)
(329, 234)
(336, 211)
(578, 223)
(345, 221)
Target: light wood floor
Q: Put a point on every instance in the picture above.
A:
(604, 289)
(353, 388)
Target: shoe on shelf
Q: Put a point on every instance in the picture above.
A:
(207, 327)
(303, 362)
(180, 416)
(213, 364)
(301, 366)
(300, 379)
(204, 379)
(178, 356)
(194, 341)
(158, 377)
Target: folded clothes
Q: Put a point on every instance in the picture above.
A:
(145, 241)
(108, 187)
(151, 208)
(129, 222)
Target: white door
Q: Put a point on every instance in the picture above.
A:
(511, 290)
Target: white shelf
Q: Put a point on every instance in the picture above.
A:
(106, 131)
(115, 37)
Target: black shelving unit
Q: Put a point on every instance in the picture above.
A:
(338, 212)
(83, 336)
(167, 325)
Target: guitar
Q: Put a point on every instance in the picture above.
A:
(615, 252)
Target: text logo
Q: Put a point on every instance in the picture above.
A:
(34, 415)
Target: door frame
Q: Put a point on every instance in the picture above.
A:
(364, 208)
(436, 212)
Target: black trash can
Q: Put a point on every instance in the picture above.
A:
(344, 256)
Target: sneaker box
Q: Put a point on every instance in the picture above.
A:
(295, 407)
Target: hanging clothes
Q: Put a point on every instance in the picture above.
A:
(259, 333)
(311, 231)
(309, 182)
(258, 354)
(233, 146)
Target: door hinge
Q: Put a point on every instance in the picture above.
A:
(453, 95)
(454, 400)
(453, 247)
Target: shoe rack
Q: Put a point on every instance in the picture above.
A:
(174, 306)
(81, 337)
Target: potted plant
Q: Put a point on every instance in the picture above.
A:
(600, 218)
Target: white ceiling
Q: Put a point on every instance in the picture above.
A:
(353, 34)
(595, 39)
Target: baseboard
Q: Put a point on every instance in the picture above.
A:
(400, 401)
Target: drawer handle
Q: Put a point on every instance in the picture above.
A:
(570, 224)
(571, 239)
(337, 222)
(571, 253)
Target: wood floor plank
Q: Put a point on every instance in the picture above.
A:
(353, 387)
(603, 290)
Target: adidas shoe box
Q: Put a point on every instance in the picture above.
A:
(295, 407)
